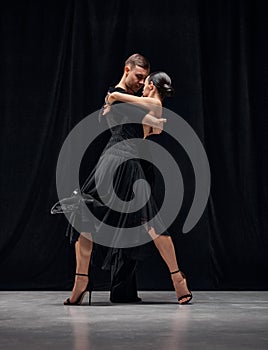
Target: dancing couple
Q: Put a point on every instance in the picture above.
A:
(120, 157)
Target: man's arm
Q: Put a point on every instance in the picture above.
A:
(155, 123)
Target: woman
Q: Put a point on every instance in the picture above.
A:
(122, 159)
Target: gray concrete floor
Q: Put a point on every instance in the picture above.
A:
(214, 320)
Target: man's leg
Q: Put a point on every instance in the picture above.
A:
(123, 278)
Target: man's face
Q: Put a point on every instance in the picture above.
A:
(135, 78)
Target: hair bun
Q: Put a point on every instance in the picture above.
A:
(168, 89)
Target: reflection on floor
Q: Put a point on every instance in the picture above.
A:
(213, 320)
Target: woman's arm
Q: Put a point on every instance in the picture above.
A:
(148, 103)
(152, 124)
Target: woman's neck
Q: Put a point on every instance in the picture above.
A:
(156, 95)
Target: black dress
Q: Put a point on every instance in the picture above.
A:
(118, 168)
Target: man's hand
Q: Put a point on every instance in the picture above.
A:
(155, 131)
(154, 126)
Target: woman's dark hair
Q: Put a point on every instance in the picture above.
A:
(162, 82)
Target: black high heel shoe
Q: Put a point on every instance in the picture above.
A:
(80, 298)
(190, 296)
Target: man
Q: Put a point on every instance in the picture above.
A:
(123, 276)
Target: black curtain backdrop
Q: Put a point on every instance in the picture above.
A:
(57, 60)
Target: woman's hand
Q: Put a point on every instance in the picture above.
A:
(108, 103)
(106, 108)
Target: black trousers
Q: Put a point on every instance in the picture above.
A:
(123, 278)
(122, 266)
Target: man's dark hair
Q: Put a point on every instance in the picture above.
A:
(138, 60)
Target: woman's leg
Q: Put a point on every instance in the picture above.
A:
(83, 249)
(166, 249)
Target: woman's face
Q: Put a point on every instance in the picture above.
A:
(146, 89)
